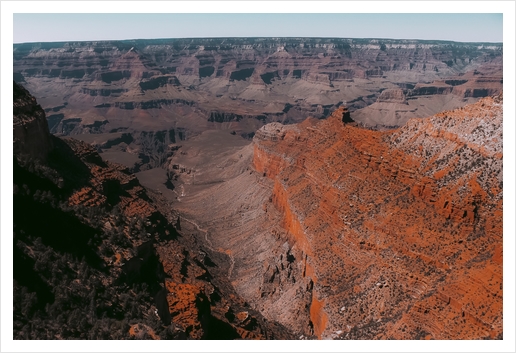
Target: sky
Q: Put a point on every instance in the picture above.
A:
(52, 27)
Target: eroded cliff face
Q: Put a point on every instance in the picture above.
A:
(400, 232)
(242, 83)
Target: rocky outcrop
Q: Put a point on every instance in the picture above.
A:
(392, 96)
(155, 82)
(31, 137)
(224, 117)
(401, 231)
(272, 132)
(431, 89)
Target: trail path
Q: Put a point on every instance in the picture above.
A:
(210, 245)
(205, 231)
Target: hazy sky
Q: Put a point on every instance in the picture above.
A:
(80, 26)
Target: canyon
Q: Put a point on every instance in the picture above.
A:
(267, 188)
(121, 91)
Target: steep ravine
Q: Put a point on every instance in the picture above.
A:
(237, 215)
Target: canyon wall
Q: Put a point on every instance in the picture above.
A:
(241, 84)
(402, 229)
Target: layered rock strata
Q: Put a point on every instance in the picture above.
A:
(242, 83)
(402, 231)
(395, 106)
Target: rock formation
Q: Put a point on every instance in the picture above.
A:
(395, 106)
(343, 232)
(381, 221)
(30, 129)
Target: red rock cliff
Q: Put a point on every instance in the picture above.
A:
(402, 230)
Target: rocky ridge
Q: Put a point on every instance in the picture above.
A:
(402, 230)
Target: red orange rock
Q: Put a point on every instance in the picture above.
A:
(412, 217)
